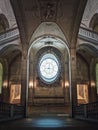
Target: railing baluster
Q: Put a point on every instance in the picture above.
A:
(87, 111)
(88, 35)
(10, 111)
(10, 34)
(83, 32)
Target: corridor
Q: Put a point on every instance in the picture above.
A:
(49, 64)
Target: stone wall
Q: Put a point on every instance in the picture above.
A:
(15, 81)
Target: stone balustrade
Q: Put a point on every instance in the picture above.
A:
(88, 35)
(11, 111)
(9, 35)
(87, 111)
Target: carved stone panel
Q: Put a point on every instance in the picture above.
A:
(48, 10)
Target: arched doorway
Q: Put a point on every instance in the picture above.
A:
(3, 23)
(48, 76)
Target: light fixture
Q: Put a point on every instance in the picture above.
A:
(30, 84)
(66, 84)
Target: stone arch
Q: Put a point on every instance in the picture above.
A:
(3, 78)
(3, 23)
(48, 34)
(94, 23)
(85, 52)
(53, 30)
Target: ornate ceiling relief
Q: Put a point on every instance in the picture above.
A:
(48, 10)
(32, 8)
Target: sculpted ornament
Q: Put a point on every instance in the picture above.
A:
(48, 10)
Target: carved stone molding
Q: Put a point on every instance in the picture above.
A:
(48, 10)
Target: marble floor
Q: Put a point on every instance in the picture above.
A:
(48, 123)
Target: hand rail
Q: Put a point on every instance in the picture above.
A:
(10, 111)
(9, 35)
(84, 33)
(88, 34)
(87, 111)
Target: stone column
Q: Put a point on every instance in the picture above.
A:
(92, 84)
(5, 88)
(24, 80)
(73, 78)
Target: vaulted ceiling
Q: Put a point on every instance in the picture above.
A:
(66, 14)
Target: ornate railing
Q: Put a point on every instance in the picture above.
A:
(9, 35)
(87, 111)
(88, 35)
(84, 33)
(10, 111)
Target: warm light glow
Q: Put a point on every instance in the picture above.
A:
(30, 84)
(5, 84)
(66, 84)
(35, 83)
(62, 83)
(92, 84)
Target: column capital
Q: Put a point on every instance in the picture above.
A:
(24, 54)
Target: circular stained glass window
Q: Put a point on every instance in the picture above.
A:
(49, 68)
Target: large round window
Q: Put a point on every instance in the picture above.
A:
(49, 68)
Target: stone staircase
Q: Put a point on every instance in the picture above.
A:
(48, 109)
